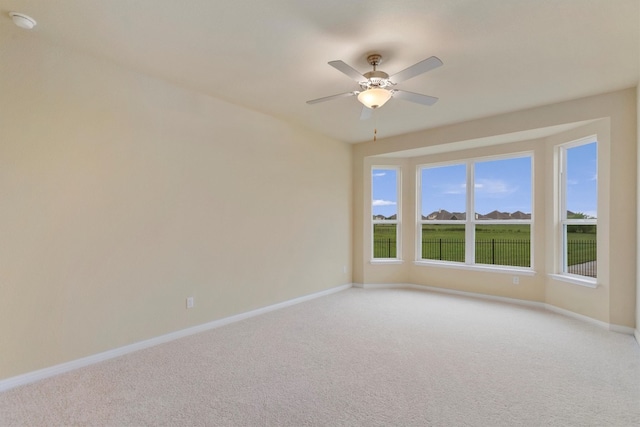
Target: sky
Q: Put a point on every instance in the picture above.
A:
(503, 185)
(582, 179)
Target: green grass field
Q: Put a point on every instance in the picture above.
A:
(495, 244)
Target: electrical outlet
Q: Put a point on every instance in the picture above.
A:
(190, 302)
(516, 280)
(344, 269)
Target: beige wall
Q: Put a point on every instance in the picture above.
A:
(121, 195)
(612, 117)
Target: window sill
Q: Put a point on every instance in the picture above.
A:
(386, 261)
(489, 269)
(576, 280)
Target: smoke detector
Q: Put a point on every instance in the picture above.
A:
(22, 20)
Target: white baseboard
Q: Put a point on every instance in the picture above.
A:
(612, 327)
(453, 292)
(578, 316)
(621, 329)
(387, 286)
(41, 374)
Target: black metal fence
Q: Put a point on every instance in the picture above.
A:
(443, 249)
(504, 252)
(496, 252)
(581, 254)
(581, 257)
(384, 248)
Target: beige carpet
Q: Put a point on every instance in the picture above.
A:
(358, 358)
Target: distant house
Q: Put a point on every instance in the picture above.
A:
(520, 215)
(497, 215)
(443, 215)
(439, 215)
(382, 217)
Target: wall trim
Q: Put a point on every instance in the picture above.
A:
(454, 292)
(578, 316)
(621, 329)
(41, 374)
(609, 326)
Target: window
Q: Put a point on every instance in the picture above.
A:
(489, 225)
(579, 208)
(385, 212)
(443, 212)
(502, 196)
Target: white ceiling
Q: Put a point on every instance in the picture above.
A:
(271, 55)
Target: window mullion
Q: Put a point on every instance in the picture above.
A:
(470, 216)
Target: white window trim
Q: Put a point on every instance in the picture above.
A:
(575, 279)
(506, 269)
(562, 273)
(389, 261)
(470, 222)
(397, 221)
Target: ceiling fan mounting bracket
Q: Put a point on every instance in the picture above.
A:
(374, 60)
(375, 78)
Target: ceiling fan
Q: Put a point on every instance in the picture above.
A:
(377, 86)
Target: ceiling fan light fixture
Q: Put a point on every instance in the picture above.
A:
(374, 98)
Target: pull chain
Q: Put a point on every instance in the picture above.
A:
(375, 125)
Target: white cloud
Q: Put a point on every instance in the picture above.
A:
(379, 174)
(383, 203)
(454, 189)
(573, 182)
(494, 187)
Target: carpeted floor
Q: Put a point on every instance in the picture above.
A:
(358, 358)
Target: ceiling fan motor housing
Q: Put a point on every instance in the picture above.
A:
(375, 78)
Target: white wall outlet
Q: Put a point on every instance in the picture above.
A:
(189, 302)
(344, 269)
(516, 280)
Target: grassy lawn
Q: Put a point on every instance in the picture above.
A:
(384, 241)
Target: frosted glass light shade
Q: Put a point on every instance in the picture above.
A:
(374, 98)
(22, 20)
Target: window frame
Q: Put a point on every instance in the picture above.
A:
(421, 222)
(470, 221)
(397, 221)
(562, 272)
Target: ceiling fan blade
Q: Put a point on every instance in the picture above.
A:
(366, 113)
(348, 70)
(329, 98)
(418, 98)
(416, 69)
